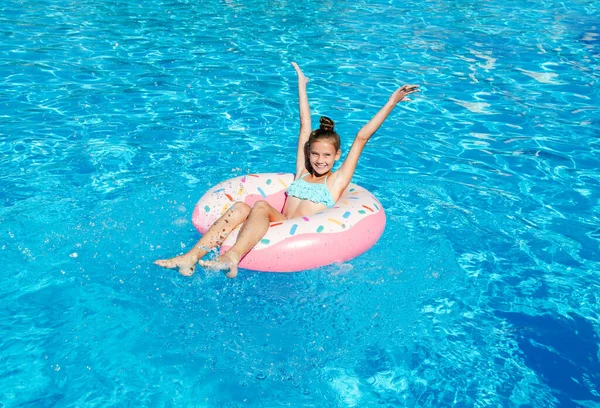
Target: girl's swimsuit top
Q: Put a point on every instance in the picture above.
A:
(315, 192)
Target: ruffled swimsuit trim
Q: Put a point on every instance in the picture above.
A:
(315, 192)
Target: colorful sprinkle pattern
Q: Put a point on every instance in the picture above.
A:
(353, 206)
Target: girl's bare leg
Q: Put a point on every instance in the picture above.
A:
(255, 227)
(214, 237)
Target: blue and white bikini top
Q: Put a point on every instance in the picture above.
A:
(315, 192)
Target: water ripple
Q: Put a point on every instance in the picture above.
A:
(117, 116)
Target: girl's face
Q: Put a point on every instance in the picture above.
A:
(322, 155)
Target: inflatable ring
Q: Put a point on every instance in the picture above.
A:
(336, 234)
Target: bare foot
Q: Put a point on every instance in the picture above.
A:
(186, 264)
(300, 74)
(225, 262)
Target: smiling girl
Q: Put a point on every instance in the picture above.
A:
(316, 187)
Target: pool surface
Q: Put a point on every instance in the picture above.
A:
(483, 291)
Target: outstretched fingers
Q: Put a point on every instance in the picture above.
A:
(401, 93)
(410, 88)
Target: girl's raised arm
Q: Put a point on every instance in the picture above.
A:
(346, 171)
(305, 123)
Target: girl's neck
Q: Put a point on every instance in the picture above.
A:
(318, 177)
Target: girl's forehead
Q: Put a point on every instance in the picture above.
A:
(323, 144)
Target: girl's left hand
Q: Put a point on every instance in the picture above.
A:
(400, 93)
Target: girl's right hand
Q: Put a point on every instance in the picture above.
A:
(301, 77)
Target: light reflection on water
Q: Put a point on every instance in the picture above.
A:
(116, 117)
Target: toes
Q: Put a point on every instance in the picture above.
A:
(163, 263)
(215, 265)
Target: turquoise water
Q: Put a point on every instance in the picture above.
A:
(482, 292)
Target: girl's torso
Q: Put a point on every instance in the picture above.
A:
(307, 198)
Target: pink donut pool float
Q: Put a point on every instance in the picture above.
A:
(337, 234)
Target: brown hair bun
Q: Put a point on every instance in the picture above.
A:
(326, 123)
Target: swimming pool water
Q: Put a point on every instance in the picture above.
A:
(482, 292)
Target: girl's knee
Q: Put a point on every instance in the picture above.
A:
(241, 209)
(262, 205)
(264, 209)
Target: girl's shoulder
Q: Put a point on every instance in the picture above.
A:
(301, 175)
